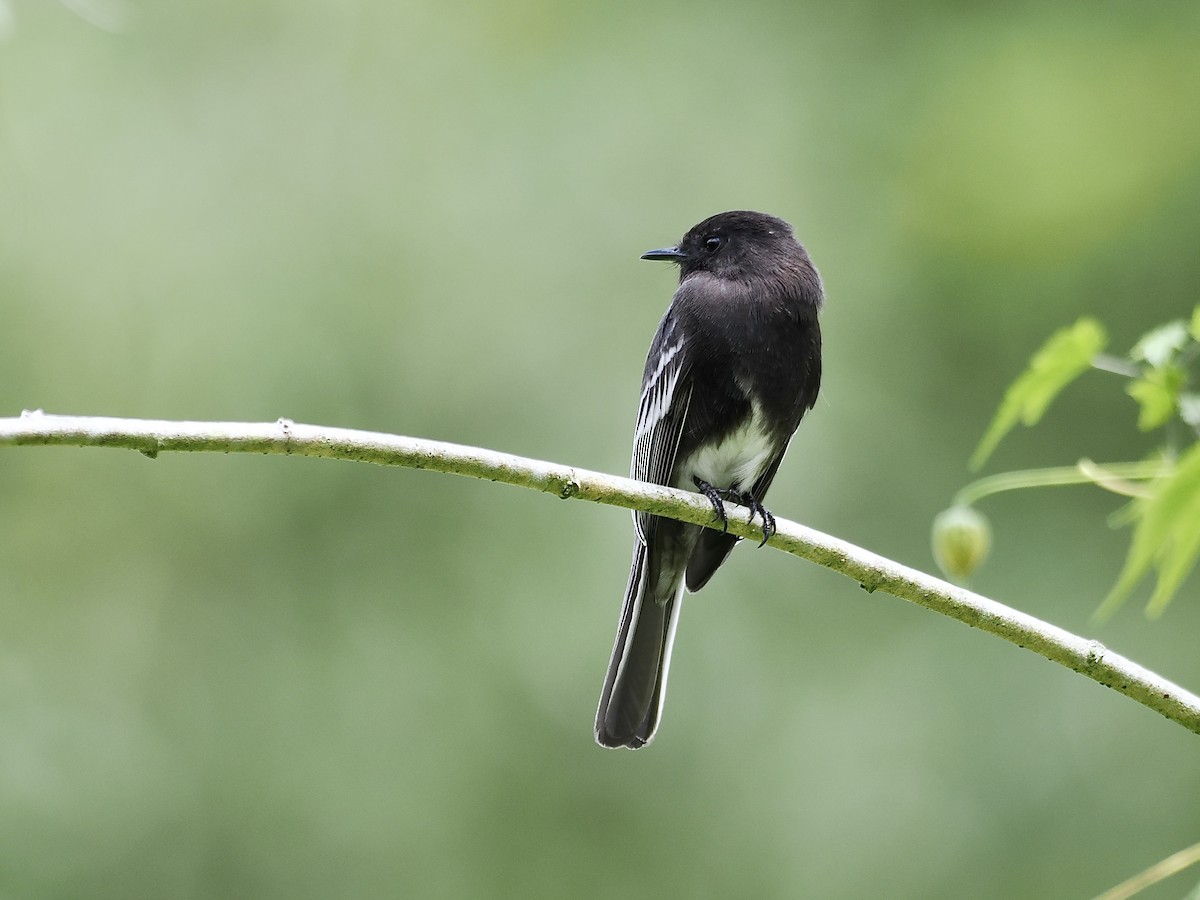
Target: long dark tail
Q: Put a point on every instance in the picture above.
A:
(631, 703)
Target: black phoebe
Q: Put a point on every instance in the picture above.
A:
(735, 364)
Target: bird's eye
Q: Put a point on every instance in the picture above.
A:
(712, 243)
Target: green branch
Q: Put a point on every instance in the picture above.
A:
(873, 572)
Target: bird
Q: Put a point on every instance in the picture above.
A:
(732, 369)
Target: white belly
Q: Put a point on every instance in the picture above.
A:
(734, 463)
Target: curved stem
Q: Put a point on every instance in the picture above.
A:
(1083, 473)
(872, 571)
(1161, 870)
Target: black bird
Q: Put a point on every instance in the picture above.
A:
(735, 364)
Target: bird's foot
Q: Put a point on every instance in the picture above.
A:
(717, 496)
(714, 497)
(768, 521)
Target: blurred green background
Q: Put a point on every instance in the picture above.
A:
(247, 676)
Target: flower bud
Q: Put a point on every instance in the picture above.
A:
(961, 541)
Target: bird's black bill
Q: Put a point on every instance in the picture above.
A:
(671, 254)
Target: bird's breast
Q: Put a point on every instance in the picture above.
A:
(736, 460)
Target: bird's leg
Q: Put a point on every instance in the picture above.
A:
(714, 497)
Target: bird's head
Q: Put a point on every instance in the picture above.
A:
(739, 245)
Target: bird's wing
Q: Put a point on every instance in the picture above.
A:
(666, 394)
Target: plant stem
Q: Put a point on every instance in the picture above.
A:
(1082, 473)
(1163, 869)
(1116, 365)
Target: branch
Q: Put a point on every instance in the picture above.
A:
(873, 572)
(1160, 871)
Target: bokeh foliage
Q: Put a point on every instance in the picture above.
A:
(269, 677)
(1166, 505)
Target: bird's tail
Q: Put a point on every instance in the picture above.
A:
(631, 703)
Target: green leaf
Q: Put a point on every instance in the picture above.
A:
(1189, 409)
(1166, 535)
(1194, 328)
(1157, 393)
(1158, 347)
(1060, 361)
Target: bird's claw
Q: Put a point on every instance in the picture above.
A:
(745, 498)
(768, 520)
(714, 497)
